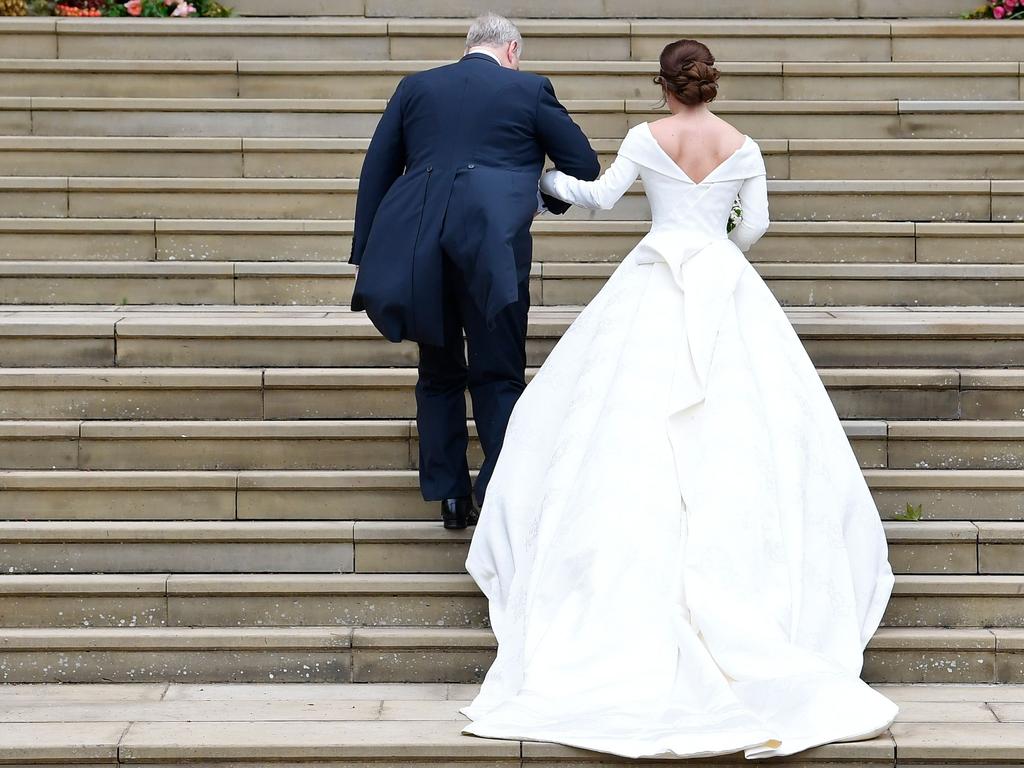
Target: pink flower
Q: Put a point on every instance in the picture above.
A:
(134, 7)
(1011, 4)
(998, 12)
(183, 9)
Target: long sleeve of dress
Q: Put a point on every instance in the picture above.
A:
(753, 196)
(603, 193)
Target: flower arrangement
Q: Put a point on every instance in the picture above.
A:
(82, 9)
(149, 8)
(998, 9)
(178, 8)
(735, 215)
(159, 8)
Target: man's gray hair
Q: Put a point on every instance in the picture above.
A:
(493, 31)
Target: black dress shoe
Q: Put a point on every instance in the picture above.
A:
(458, 513)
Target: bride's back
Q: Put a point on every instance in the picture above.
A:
(697, 142)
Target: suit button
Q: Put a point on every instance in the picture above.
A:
(471, 166)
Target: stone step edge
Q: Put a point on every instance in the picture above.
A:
(440, 26)
(317, 429)
(104, 480)
(360, 378)
(407, 638)
(272, 184)
(199, 144)
(548, 270)
(399, 67)
(396, 584)
(324, 322)
(395, 532)
(894, 106)
(297, 227)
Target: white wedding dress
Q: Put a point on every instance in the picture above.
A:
(681, 555)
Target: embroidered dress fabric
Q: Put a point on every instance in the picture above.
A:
(680, 552)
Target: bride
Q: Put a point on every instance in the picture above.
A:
(680, 552)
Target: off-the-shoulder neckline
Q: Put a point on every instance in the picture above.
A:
(746, 141)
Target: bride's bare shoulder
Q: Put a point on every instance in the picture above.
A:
(711, 124)
(727, 132)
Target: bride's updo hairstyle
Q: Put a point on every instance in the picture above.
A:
(688, 72)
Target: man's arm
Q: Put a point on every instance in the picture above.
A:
(564, 142)
(384, 162)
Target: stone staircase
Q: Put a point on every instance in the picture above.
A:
(207, 462)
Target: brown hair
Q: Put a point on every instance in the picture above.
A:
(688, 72)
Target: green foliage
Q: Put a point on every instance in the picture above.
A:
(912, 513)
(212, 9)
(41, 7)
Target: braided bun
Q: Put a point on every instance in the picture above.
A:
(688, 72)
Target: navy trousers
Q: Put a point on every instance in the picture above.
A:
(494, 372)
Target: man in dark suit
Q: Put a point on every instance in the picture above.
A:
(442, 241)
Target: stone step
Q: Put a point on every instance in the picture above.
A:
(796, 9)
(242, 600)
(374, 393)
(181, 336)
(393, 495)
(555, 240)
(392, 444)
(995, 496)
(51, 547)
(367, 79)
(190, 547)
(978, 200)
(799, 284)
(311, 284)
(184, 157)
(363, 724)
(397, 599)
(599, 118)
(337, 654)
(736, 39)
(183, 283)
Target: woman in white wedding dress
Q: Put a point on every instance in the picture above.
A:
(681, 555)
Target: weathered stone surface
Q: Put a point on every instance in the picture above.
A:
(950, 494)
(142, 547)
(211, 655)
(82, 601)
(930, 547)
(422, 656)
(70, 743)
(410, 548)
(350, 743)
(323, 692)
(930, 656)
(332, 495)
(244, 445)
(59, 495)
(952, 743)
(956, 601)
(351, 600)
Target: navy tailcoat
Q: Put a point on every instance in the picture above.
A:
(452, 170)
